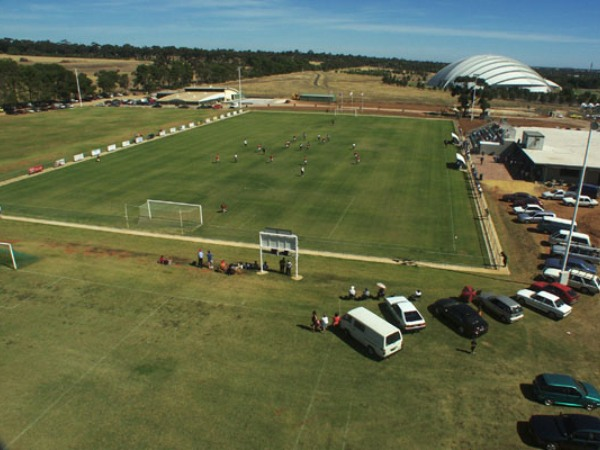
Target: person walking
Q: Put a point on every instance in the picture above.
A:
(473, 345)
(302, 171)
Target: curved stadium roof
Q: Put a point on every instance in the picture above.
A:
(497, 71)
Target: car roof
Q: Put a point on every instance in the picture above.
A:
(403, 303)
(503, 298)
(558, 379)
(548, 295)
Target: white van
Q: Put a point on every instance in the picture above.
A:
(561, 237)
(380, 337)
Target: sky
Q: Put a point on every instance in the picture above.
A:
(540, 33)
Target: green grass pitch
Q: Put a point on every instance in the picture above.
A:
(400, 201)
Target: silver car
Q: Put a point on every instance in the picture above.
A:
(501, 307)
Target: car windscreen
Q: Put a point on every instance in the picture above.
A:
(412, 316)
(391, 338)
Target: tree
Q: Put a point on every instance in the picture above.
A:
(107, 80)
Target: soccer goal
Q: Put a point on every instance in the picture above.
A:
(163, 213)
(7, 255)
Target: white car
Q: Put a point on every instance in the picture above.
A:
(405, 313)
(584, 201)
(545, 302)
(527, 209)
(558, 194)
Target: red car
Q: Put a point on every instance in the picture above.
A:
(527, 201)
(565, 293)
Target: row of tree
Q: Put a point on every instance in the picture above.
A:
(176, 67)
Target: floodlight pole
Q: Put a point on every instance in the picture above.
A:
(473, 101)
(240, 87)
(78, 88)
(564, 274)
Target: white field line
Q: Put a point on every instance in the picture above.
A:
(312, 398)
(92, 367)
(452, 228)
(341, 217)
(319, 253)
(347, 426)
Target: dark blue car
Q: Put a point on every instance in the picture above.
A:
(572, 263)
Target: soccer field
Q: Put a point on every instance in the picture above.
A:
(400, 201)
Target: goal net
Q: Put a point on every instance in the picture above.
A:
(7, 256)
(163, 214)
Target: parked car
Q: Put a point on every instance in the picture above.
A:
(584, 201)
(562, 236)
(587, 283)
(500, 306)
(565, 293)
(405, 313)
(460, 316)
(527, 201)
(534, 216)
(529, 208)
(558, 194)
(514, 196)
(573, 262)
(565, 431)
(591, 190)
(545, 302)
(585, 252)
(558, 389)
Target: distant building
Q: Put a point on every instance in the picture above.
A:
(326, 98)
(541, 154)
(199, 95)
(496, 71)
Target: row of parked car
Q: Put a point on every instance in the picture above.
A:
(583, 256)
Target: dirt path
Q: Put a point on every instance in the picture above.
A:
(344, 256)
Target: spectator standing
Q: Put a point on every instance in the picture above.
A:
(324, 322)
(209, 259)
(336, 320)
(200, 258)
(288, 267)
(473, 345)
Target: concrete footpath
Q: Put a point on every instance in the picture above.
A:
(204, 241)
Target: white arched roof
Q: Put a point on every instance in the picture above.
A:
(497, 71)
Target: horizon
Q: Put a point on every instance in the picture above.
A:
(440, 31)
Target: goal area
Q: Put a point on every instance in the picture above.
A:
(164, 214)
(7, 256)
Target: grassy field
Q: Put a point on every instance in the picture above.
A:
(419, 207)
(43, 138)
(104, 348)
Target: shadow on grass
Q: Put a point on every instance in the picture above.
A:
(527, 391)
(354, 344)
(23, 260)
(525, 435)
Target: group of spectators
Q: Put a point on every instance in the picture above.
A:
(323, 324)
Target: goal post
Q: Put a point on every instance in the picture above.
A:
(169, 210)
(7, 255)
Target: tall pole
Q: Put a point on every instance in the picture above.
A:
(362, 101)
(564, 275)
(240, 87)
(78, 88)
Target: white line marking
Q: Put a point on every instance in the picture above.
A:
(312, 398)
(342, 216)
(52, 405)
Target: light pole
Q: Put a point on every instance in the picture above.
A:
(240, 87)
(362, 101)
(473, 101)
(564, 274)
